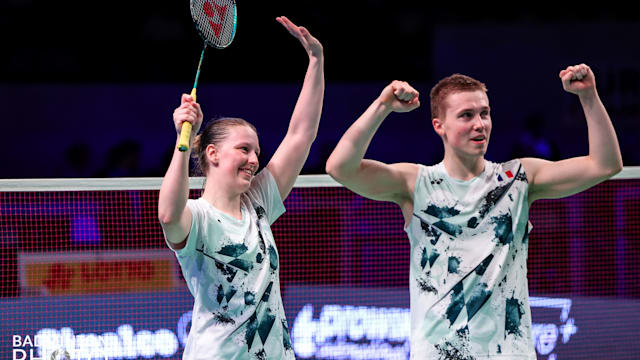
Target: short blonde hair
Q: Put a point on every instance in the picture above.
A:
(449, 85)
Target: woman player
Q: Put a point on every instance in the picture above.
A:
(223, 240)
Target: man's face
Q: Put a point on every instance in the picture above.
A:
(466, 126)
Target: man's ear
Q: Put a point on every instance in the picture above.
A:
(212, 154)
(438, 126)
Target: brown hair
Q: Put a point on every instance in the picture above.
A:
(213, 133)
(447, 86)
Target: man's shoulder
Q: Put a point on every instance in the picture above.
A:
(510, 168)
(509, 164)
(428, 168)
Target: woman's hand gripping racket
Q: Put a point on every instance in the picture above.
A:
(216, 21)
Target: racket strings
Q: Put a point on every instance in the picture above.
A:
(215, 19)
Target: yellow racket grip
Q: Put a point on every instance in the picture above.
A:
(185, 134)
(185, 131)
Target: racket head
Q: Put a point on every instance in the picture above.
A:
(215, 20)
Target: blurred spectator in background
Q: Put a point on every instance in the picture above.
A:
(533, 142)
(123, 160)
(77, 162)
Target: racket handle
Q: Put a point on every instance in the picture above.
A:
(185, 131)
(185, 135)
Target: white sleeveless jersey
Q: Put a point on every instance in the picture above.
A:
(468, 268)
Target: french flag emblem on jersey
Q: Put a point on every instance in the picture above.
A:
(507, 173)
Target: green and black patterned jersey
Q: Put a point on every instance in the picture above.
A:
(232, 270)
(468, 268)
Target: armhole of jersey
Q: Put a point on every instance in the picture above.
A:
(421, 171)
(181, 246)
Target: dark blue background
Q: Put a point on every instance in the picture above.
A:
(88, 91)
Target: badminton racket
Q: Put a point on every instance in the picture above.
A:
(216, 22)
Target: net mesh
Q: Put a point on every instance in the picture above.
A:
(88, 271)
(215, 20)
